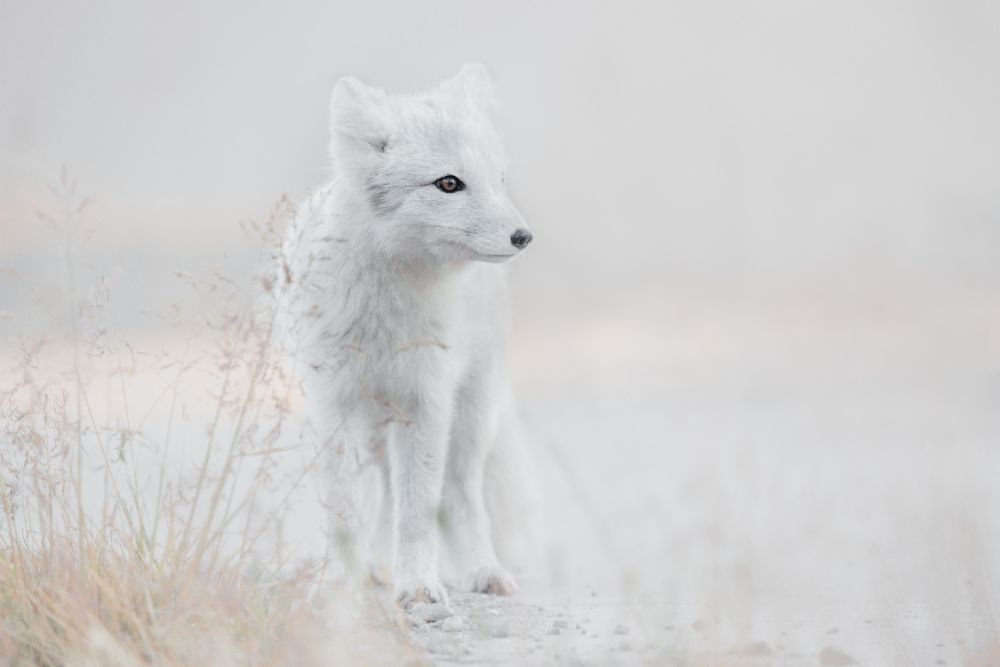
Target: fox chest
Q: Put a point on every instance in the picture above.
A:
(393, 355)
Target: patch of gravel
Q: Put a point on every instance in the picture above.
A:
(490, 629)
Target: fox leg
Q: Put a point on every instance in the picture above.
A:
(346, 450)
(417, 449)
(376, 512)
(465, 519)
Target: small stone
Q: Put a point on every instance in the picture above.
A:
(754, 649)
(698, 626)
(560, 624)
(833, 631)
(439, 645)
(621, 629)
(625, 645)
(452, 624)
(555, 631)
(831, 657)
(431, 613)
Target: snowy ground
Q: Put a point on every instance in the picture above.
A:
(769, 480)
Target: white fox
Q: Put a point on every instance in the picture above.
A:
(396, 310)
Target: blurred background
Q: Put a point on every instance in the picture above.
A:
(757, 337)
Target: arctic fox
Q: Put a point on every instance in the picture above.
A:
(396, 310)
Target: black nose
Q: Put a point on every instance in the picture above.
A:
(520, 238)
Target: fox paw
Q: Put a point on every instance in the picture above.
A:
(411, 591)
(493, 581)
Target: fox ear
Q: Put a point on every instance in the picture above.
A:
(360, 120)
(474, 84)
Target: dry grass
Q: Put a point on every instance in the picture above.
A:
(149, 565)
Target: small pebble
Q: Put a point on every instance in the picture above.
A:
(499, 631)
(555, 631)
(453, 624)
(621, 629)
(625, 645)
(430, 613)
(560, 624)
(439, 645)
(831, 657)
(755, 649)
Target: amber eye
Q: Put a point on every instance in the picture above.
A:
(449, 184)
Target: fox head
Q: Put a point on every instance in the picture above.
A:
(429, 168)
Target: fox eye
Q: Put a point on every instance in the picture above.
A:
(449, 184)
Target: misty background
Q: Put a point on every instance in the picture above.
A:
(757, 336)
(721, 145)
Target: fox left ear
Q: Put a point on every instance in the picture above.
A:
(474, 84)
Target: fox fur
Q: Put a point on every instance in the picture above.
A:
(395, 304)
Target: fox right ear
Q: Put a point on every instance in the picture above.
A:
(360, 122)
(474, 84)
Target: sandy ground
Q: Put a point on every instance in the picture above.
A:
(757, 481)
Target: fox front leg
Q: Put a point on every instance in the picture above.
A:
(348, 549)
(417, 449)
(466, 524)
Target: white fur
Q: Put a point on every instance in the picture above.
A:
(396, 312)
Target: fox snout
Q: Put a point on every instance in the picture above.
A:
(521, 238)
